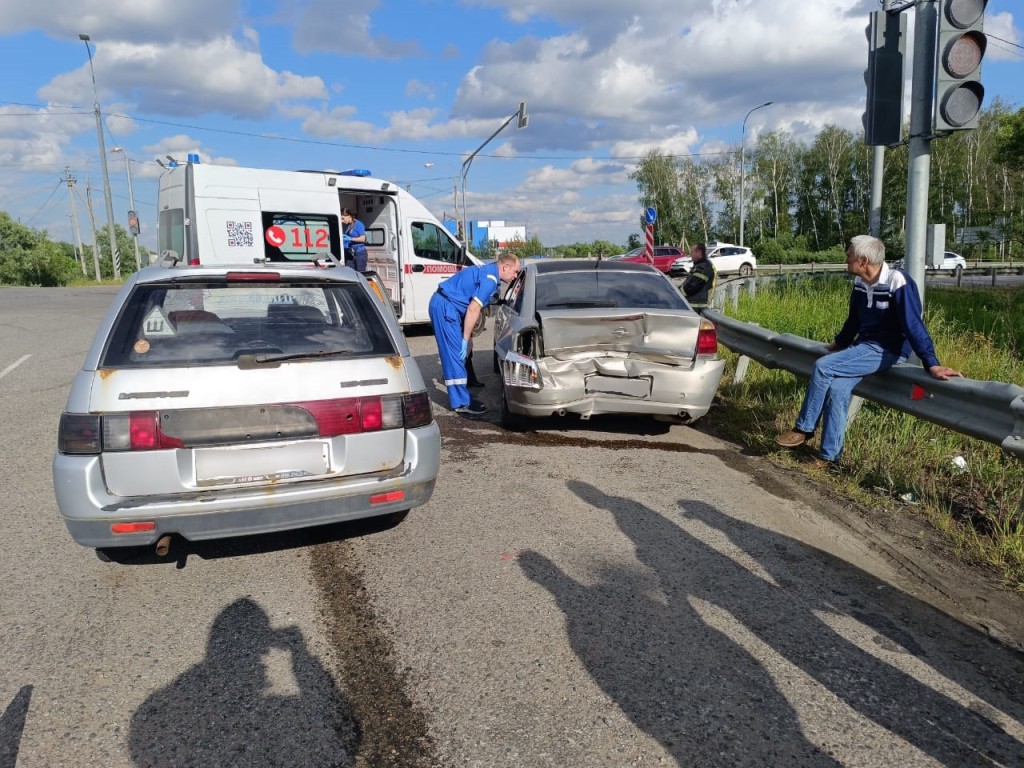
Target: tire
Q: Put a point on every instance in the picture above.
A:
(496, 364)
(509, 420)
(746, 270)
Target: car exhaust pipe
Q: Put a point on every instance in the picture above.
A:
(560, 411)
(163, 545)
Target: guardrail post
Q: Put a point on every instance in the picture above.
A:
(855, 403)
(734, 293)
(994, 277)
(751, 287)
(741, 370)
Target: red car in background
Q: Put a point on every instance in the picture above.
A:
(664, 255)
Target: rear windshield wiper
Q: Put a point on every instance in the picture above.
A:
(245, 361)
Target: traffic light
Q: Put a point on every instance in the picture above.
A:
(883, 114)
(961, 47)
(133, 223)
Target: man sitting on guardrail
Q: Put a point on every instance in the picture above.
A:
(884, 323)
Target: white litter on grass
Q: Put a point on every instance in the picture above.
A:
(960, 463)
(908, 498)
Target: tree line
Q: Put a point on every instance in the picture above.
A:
(29, 257)
(807, 199)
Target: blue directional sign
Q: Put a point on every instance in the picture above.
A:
(650, 216)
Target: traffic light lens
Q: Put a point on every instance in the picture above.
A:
(964, 13)
(963, 54)
(962, 104)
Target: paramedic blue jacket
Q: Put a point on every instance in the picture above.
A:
(888, 313)
(480, 283)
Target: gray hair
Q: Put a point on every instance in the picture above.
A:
(868, 247)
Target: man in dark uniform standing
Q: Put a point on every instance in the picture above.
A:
(699, 285)
(454, 310)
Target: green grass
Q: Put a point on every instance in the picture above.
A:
(891, 458)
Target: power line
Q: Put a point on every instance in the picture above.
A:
(1008, 42)
(47, 200)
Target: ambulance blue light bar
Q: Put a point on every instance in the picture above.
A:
(355, 172)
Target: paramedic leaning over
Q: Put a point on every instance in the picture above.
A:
(454, 310)
(355, 240)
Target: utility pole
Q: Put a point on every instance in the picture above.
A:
(115, 257)
(920, 155)
(79, 253)
(132, 227)
(95, 240)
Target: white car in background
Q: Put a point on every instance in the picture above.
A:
(953, 263)
(732, 258)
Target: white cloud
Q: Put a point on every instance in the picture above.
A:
(1003, 37)
(326, 25)
(108, 20)
(219, 75)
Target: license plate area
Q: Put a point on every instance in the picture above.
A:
(263, 464)
(613, 385)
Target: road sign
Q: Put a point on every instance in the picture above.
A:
(650, 216)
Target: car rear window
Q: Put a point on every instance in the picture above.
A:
(216, 323)
(606, 288)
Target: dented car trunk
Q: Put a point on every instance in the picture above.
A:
(669, 336)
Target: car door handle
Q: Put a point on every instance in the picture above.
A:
(418, 267)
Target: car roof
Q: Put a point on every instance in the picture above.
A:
(301, 270)
(575, 265)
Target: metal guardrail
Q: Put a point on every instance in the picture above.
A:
(988, 410)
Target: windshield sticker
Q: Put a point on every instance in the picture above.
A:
(141, 347)
(275, 236)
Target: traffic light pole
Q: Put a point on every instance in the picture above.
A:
(920, 154)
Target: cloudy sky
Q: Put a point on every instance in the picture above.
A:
(407, 88)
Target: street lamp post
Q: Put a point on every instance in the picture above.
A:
(131, 204)
(455, 201)
(524, 120)
(743, 134)
(115, 258)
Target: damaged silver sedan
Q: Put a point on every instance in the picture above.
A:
(595, 337)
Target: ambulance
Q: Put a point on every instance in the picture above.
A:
(219, 214)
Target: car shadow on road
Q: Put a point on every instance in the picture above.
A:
(259, 697)
(715, 644)
(242, 546)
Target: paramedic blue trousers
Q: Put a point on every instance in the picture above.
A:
(447, 321)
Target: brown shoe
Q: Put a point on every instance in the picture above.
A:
(791, 439)
(819, 463)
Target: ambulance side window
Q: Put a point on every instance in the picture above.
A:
(171, 231)
(429, 241)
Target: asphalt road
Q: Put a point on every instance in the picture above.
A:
(612, 593)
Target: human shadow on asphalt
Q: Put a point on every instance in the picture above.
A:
(228, 711)
(12, 725)
(682, 648)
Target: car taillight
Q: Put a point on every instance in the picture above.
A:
(417, 411)
(194, 261)
(136, 431)
(89, 434)
(79, 434)
(707, 339)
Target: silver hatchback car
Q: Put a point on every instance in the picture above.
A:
(218, 402)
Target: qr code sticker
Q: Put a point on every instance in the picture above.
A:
(239, 234)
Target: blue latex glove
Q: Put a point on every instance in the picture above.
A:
(347, 241)
(465, 349)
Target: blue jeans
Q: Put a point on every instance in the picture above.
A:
(831, 386)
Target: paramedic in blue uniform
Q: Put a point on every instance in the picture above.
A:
(454, 310)
(883, 324)
(355, 240)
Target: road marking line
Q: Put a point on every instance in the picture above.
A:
(14, 365)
